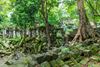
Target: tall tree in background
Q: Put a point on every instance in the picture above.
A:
(44, 12)
(85, 30)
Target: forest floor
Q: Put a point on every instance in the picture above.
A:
(78, 55)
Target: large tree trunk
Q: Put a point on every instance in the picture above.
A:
(85, 30)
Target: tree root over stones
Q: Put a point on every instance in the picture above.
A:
(85, 32)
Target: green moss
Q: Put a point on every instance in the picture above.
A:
(60, 62)
(54, 63)
(45, 64)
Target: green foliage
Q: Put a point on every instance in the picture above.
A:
(24, 12)
(54, 16)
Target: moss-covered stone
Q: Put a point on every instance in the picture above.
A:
(95, 58)
(65, 66)
(54, 64)
(45, 64)
(84, 61)
(60, 62)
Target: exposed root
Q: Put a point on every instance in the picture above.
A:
(85, 32)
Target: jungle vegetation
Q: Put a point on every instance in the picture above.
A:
(49, 33)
